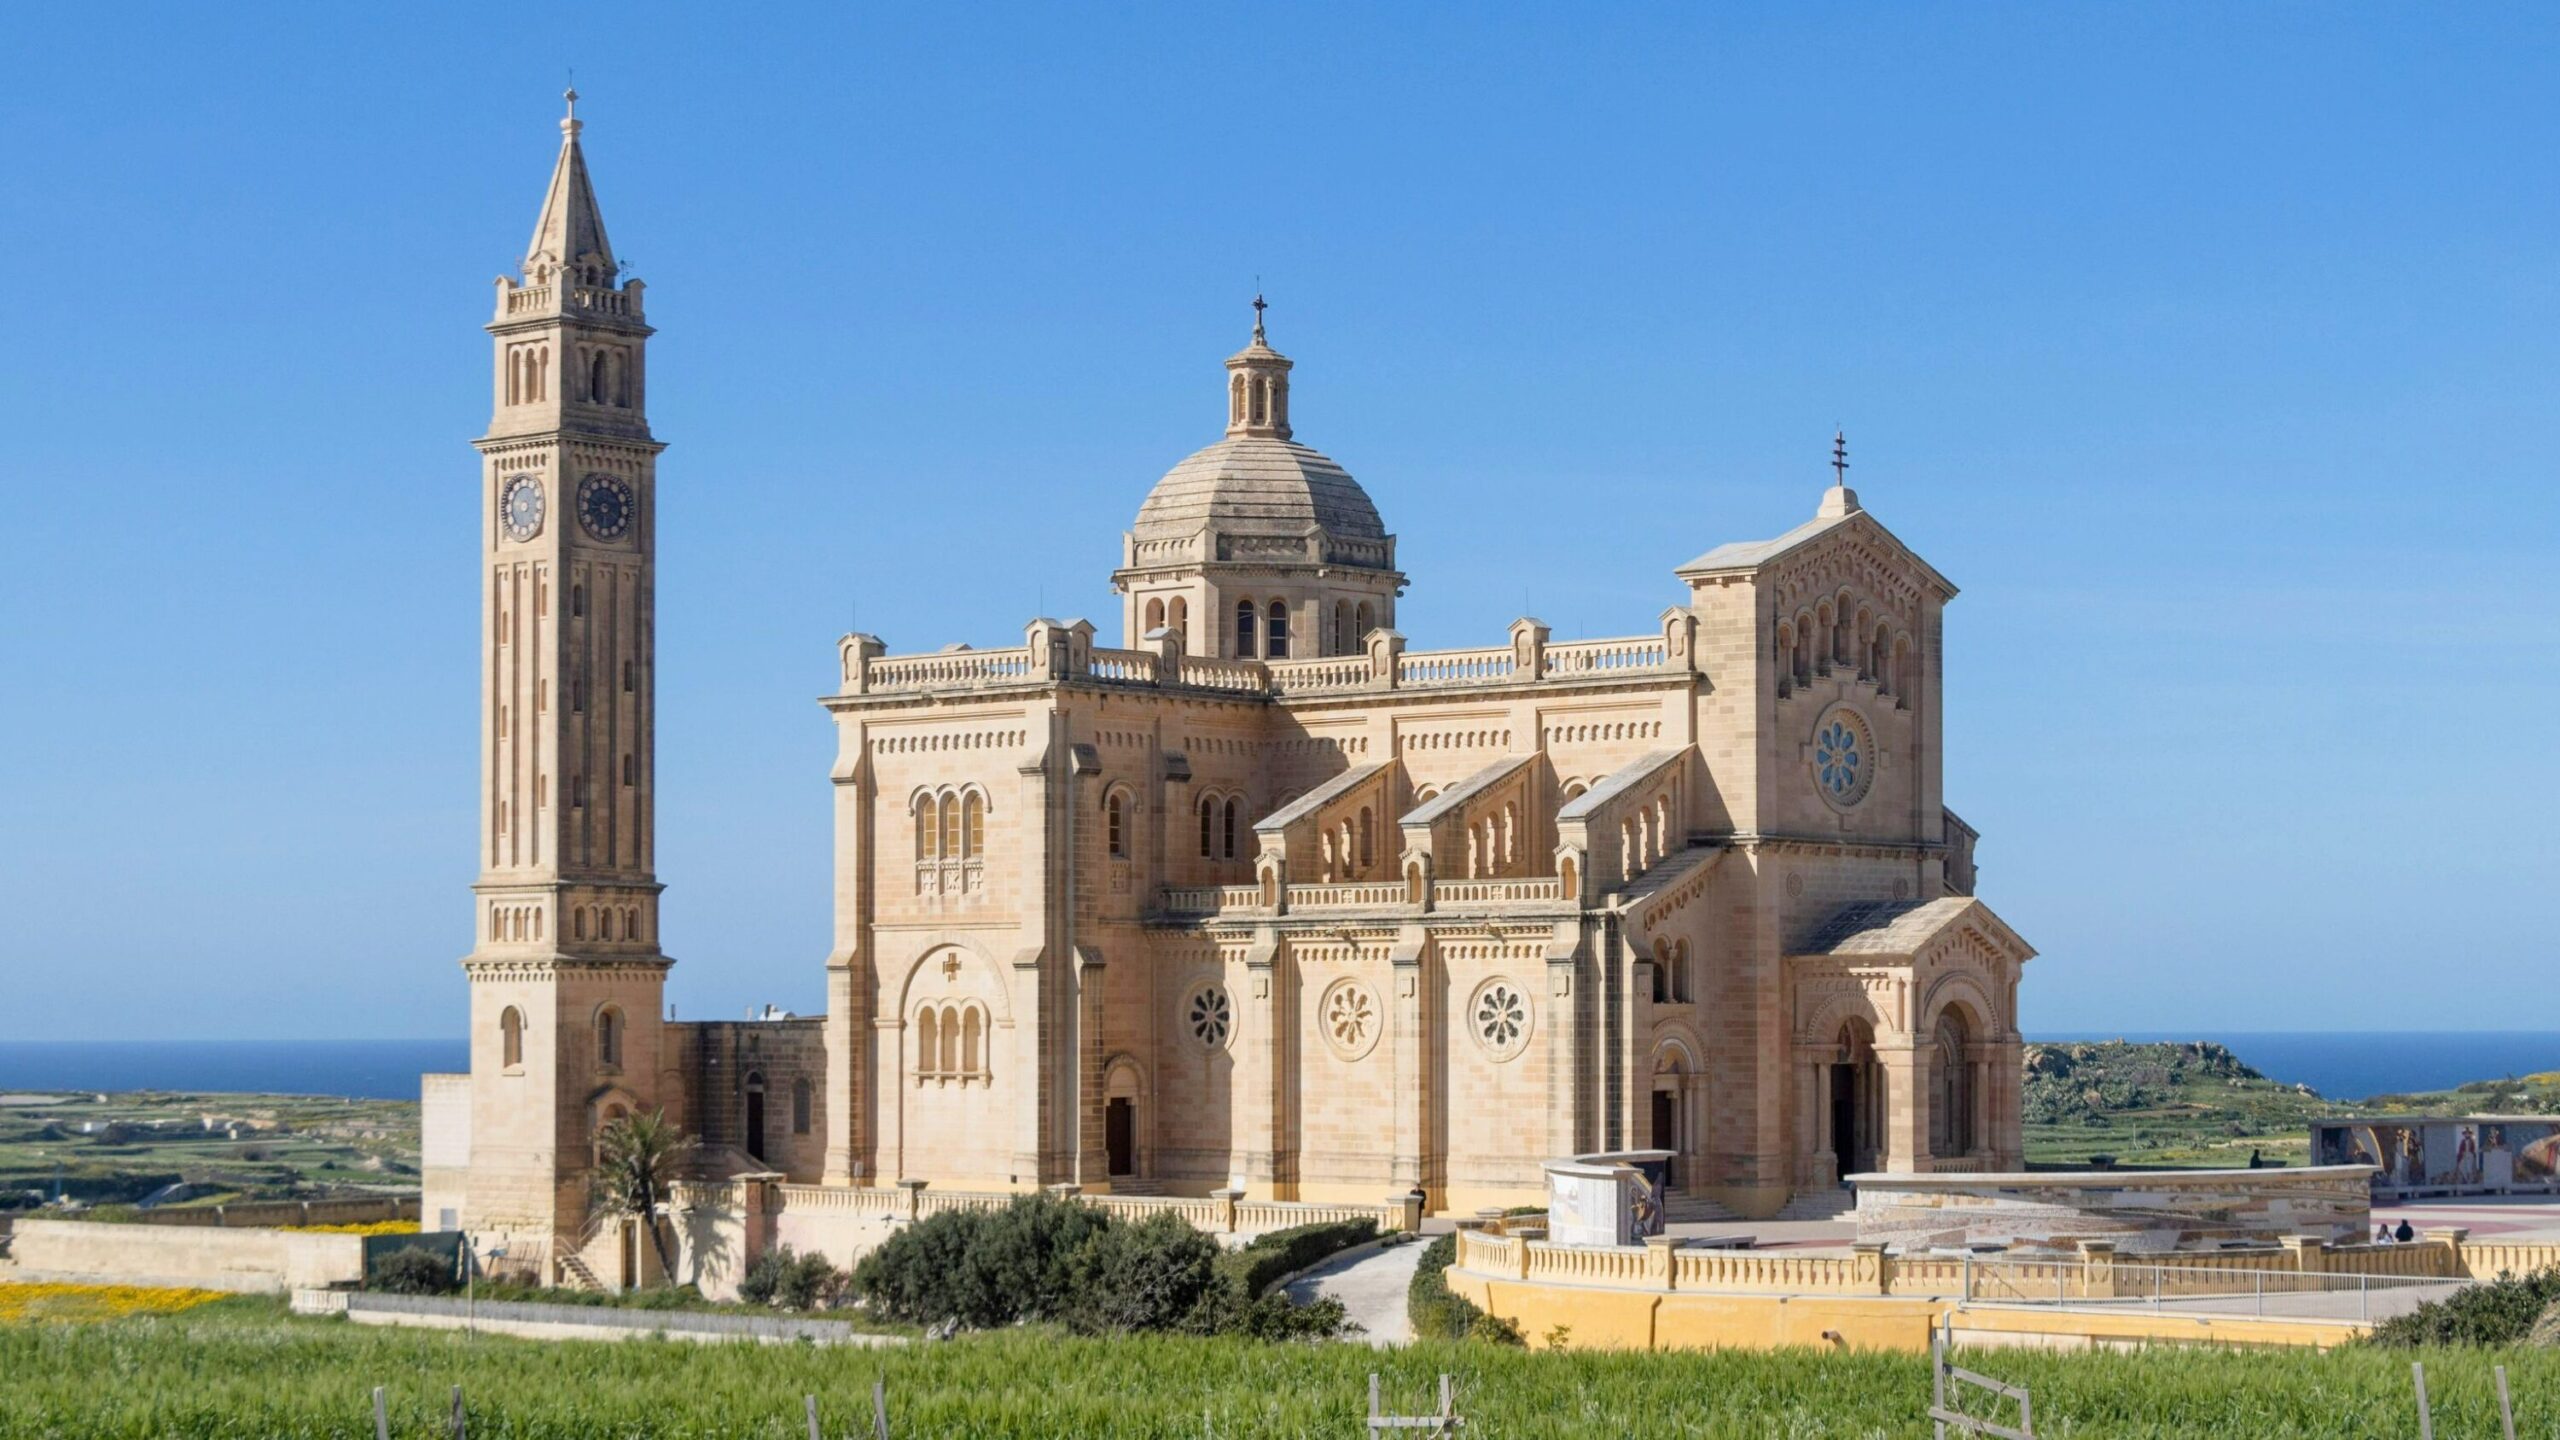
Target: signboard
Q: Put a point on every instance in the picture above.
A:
(2486, 1153)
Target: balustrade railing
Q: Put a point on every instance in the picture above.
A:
(1452, 667)
(1309, 677)
(1538, 889)
(949, 668)
(1364, 895)
(1207, 673)
(1607, 657)
(1134, 667)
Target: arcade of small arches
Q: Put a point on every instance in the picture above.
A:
(1839, 632)
(951, 1043)
(1860, 1072)
(951, 839)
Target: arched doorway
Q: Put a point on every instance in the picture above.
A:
(1670, 1119)
(1857, 1099)
(1120, 1135)
(755, 1114)
(1953, 1083)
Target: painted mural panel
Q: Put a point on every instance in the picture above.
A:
(2454, 1154)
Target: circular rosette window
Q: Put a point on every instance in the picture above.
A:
(1351, 1018)
(1211, 1015)
(1498, 1016)
(1843, 756)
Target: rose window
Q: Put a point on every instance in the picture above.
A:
(1350, 1015)
(1212, 1016)
(1501, 1016)
(1844, 758)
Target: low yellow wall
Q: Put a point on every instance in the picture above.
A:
(1597, 1318)
(205, 1258)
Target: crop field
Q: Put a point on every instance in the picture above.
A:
(240, 1367)
(121, 1147)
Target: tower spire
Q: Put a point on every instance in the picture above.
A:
(569, 234)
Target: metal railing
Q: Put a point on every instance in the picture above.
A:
(2236, 1289)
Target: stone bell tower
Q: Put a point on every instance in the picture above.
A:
(566, 975)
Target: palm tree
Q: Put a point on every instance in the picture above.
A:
(637, 1158)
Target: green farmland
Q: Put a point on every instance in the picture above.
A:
(241, 1368)
(118, 1148)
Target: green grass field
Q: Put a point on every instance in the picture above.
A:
(120, 1147)
(241, 1368)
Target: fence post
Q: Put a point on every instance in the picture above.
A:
(2426, 1422)
(457, 1414)
(381, 1417)
(880, 1409)
(2506, 1407)
(1938, 1372)
(810, 1403)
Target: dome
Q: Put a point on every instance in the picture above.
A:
(1258, 485)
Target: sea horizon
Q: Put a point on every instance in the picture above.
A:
(2339, 1064)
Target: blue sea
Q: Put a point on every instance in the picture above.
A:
(2342, 1065)
(2358, 1064)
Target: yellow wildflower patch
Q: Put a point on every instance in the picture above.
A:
(20, 1304)
(364, 1227)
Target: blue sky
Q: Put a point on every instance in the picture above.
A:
(2210, 349)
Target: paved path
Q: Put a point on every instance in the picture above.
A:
(1371, 1286)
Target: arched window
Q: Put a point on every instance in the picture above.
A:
(510, 1037)
(800, 1107)
(609, 1036)
(1177, 618)
(598, 386)
(755, 1113)
(1680, 973)
(1155, 618)
(970, 1033)
(1115, 823)
(926, 829)
(973, 826)
(1208, 823)
(626, 677)
(1951, 1120)
(1279, 636)
(1342, 627)
(1368, 852)
(1244, 630)
(577, 600)
(1361, 625)
(1235, 400)
(950, 1040)
(950, 827)
(1661, 973)
(926, 1054)
(1261, 394)
(1230, 830)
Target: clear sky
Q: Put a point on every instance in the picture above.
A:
(2210, 349)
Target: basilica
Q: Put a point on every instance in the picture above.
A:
(1257, 902)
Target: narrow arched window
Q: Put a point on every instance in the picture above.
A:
(1208, 817)
(1178, 618)
(1341, 627)
(1244, 630)
(578, 922)
(970, 1034)
(973, 826)
(926, 1054)
(950, 1041)
(1368, 854)
(597, 383)
(1155, 618)
(1279, 637)
(577, 601)
(626, 677)
(950, 827)
(609, 1036)
(1115, 824)
(511, 1037)
(1230, 830)
(925, 831)
(800, 1107)
(1661, 973)
(1361, 626)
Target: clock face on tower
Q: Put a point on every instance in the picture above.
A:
(604, 504)
(521, 508)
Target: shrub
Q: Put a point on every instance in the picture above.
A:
(790, 1282)
(982, 1268)
(1439, 1313)
(2546, 1331)
(1285, 1252)
(414, 1272)
(2501, 1312)
(1158, 1274)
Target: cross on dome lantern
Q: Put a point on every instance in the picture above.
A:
(1258, 385)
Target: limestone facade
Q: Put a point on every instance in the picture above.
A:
(1259, 898)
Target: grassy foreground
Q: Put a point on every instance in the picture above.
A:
(239, 1368)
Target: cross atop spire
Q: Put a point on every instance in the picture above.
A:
(569, 235)
(1258, 308)
(1839, 499)
(1258, 385)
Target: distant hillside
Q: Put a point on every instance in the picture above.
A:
(2199, 1104)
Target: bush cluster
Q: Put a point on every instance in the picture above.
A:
(414, 1271)
(2501, 1312)
(1042, 1258)
(788, 1281)
(1285, 1252)
(1440, 1313)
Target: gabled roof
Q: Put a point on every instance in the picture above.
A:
(1746, 555)
(1903, 928)
(1458, 794)
(1316, 799)
(1616, 781)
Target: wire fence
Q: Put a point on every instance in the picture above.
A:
(2236, 1289)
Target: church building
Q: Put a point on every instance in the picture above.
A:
(1258, 902)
